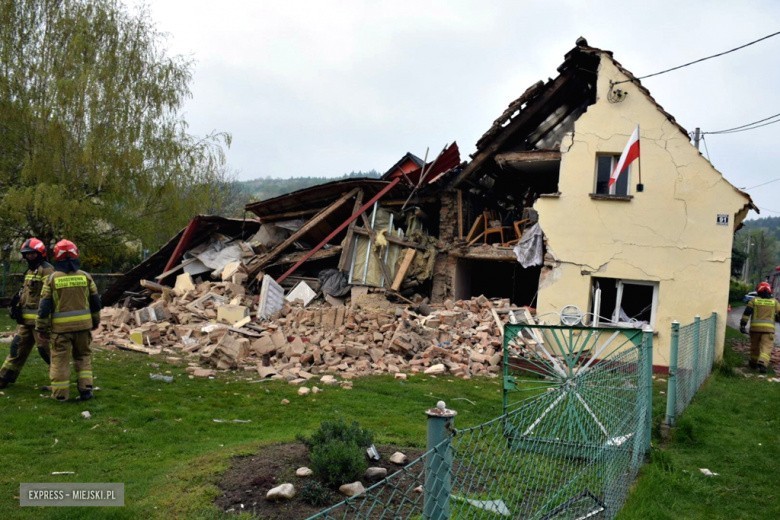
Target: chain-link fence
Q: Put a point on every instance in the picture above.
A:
(569, 448)
(692, 353)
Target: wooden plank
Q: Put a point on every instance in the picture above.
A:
(153, 286)
(392, 239)
(341, 227)
(316, 219)
(287, 215)
(474, 227)
(498, 321)
(405, 263)
(173, 270)
(510, 159)
(346, 253)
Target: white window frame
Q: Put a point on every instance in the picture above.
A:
(619, 287)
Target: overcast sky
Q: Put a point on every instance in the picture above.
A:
(323, 88)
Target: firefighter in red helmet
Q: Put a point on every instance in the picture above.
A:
(24, 310)
(68, 311)
(762, 311)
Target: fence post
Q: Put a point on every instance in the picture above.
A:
(644, 408)
(438, 465)
(713, 341)
(671, 388)
(696, 352)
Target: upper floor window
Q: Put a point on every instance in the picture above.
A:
(604, 166)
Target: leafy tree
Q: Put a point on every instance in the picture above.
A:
(92, 147)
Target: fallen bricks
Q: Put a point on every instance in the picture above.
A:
(194, 325)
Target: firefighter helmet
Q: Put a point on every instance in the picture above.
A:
(764, 287)
(33, 245)
(65, 249)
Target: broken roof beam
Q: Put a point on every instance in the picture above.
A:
(551, 90)
(519, 159)
(392, 239)
(338, 230)
(316, 219)
(287, 215)
(346, 254)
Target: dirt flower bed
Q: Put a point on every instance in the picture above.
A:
(245, 484)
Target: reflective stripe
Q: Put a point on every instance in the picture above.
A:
(29, 316)
(62, 282)
(60, 384)
(85, 374)
(71, 316)
(34, 277)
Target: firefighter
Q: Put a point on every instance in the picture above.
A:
(69, 310)
(762, 311)
(24, 309)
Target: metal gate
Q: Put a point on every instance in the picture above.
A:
(580, 396)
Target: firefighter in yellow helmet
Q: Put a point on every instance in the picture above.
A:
(762, 311)
(24, 309)
(69, 310)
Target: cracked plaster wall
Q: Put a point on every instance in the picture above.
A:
(666, 234)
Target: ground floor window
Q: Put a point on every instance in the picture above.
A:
(623, 303)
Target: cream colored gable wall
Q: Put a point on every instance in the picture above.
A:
(666, 234)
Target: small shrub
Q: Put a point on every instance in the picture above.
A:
(337, 462)
(316, 494)
(341, 431)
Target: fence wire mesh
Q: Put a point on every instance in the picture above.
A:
(690, 363)
(569, 445)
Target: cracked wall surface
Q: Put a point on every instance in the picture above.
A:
(667, 233)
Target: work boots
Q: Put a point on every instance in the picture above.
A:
(85, 395)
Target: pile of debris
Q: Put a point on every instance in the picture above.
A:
(211, 326)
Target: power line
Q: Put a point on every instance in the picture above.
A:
(745, 128)
(763, 184)
(706, 148)
(742, 126)
(701, 59)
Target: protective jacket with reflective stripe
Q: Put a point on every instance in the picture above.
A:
(31, 291)
(67, 303)
(763, 313)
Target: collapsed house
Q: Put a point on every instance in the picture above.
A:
(530, 221)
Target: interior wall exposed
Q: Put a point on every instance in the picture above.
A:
(496, 279)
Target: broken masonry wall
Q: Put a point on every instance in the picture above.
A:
(667, 234)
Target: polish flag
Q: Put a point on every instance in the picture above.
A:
(630, 152)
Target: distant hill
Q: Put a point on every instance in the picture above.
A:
(268, 188)
(770, 224)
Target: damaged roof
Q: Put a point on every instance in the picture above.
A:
(204, 226)
(539, 119)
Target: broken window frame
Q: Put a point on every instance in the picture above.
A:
(621, 188)
(620, 288)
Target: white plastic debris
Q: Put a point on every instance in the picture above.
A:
(86, 415)
(708, 473)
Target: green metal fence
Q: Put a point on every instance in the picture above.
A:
(691, 356)
(569, 447)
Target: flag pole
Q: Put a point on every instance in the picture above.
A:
(639, 187)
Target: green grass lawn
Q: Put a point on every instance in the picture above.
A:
(160, 439)
(732, 428)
